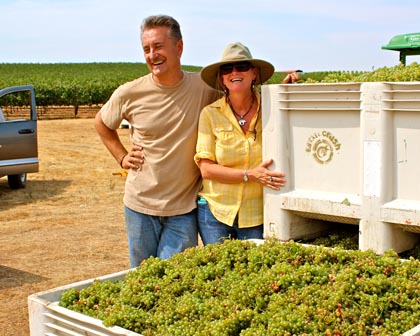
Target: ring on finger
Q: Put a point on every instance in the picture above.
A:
(271, 179)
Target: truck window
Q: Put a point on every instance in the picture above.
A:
(15, 106)
(2, 118)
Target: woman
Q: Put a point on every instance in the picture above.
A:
(229, 152)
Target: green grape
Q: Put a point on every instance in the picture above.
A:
(238, 288)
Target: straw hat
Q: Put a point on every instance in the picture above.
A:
(236, 52)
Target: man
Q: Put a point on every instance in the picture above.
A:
(163, 109)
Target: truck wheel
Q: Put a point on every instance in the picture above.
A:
(17, 181)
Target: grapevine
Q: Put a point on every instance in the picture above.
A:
(77, 84)
(239, 288)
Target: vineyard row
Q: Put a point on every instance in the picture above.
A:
(87, 84)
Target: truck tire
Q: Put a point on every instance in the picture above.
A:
(17, 181)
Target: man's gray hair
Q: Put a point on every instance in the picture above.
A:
(162, 21)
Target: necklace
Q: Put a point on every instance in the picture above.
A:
(242, 121)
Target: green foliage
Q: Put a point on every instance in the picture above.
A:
(71, 84)
(306, 77)
(398, 73)
(76, 84)
(16, 99)
(239, 288)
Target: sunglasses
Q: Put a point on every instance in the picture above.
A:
(226, 69)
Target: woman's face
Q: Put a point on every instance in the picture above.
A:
(238, 77)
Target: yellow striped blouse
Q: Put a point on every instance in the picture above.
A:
(221, 139)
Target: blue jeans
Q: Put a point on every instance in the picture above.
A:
(213, 231)
(159, 236)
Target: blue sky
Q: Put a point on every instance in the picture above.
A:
(295, 34)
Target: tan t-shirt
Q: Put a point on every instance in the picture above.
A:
(164, 122)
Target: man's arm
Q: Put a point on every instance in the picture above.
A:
(110, 139)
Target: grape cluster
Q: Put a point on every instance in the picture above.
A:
(239, 288)
(398, 73)
(347, 237)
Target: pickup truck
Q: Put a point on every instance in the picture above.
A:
(18, 134)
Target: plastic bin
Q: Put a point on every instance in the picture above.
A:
(312, 132)
(348, 153)
(46, 317)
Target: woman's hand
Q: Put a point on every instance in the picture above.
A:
(271, 179)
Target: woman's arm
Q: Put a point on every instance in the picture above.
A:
(213, 171)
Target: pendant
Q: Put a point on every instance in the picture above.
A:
(242, 122)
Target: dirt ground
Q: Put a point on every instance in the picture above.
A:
(67, 225)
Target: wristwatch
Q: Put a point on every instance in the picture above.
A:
(246, 178)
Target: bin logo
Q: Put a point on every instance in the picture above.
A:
(322, 145)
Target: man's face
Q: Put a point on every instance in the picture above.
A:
(162, 53)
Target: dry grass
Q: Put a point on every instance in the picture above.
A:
(67, 225)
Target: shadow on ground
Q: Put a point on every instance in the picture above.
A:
(11, 277)
(35, 190)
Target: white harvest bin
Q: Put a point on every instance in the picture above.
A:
(401, 109)
(349, 154)
(47, 318)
